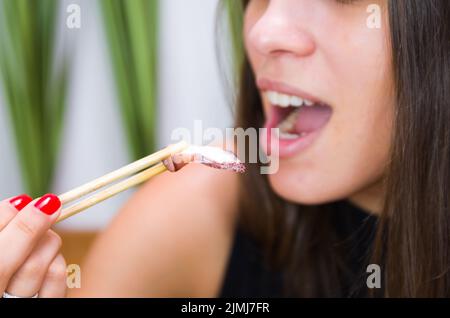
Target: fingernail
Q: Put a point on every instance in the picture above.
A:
(169, 165)
(48, 204)
(20, 201)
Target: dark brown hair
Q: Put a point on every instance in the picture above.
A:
(413, 237)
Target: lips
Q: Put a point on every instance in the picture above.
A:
(298, 125)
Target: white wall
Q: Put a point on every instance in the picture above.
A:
(94, 142)
(191, 86)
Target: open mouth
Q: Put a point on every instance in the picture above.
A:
(297, 117)
(299, 120)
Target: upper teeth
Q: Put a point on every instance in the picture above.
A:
(284, 100)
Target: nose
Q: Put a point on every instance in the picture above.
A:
(281, 31)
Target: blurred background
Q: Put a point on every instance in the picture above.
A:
(89, 86)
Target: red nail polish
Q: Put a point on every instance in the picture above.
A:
(48, 204)
(20, 201)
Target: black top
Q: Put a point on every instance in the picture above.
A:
(248, 275)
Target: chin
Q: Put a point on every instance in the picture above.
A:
(302, 188)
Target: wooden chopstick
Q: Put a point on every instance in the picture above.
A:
(135, 167)
(111, 191)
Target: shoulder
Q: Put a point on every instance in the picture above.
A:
(195, 193)
(174, 235)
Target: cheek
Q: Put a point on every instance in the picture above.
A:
(364, 122)
(253, 57)
(253, 13)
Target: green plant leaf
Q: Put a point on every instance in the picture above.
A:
(34, 88)
(131, 29)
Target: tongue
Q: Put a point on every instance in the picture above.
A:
(312, 118)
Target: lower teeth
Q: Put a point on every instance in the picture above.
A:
(287, 125)
(290, 136)
(284, 135)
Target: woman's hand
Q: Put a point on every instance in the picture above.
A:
(30, 262)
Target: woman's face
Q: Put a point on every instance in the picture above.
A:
(324, 52)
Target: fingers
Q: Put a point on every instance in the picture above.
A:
(9, 208)
(178, 161)
(54, 285)
(27, 281)
(23, 232)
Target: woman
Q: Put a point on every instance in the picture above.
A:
(363, 174)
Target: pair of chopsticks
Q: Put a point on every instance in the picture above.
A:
(139, 168)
